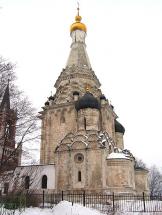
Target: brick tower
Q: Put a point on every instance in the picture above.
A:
(8, 154)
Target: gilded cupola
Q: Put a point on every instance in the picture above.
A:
(78, 25)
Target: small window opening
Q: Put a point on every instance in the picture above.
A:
(27, 182)
(44, 182)
(62, 118)
(80, 158)
(85, 123)
(6, 186)
(79, 176)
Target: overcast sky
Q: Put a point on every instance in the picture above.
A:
(124, 44)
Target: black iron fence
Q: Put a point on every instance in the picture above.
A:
(114, 202)
(102, 202)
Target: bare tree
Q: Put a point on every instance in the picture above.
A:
(26, 179)
(6, 73)
(27, 129)
(140, 164)
(155, 181)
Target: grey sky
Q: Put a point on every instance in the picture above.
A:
(124, 44)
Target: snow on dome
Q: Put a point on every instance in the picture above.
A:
(114, 155)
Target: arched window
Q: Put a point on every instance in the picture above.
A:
(44, 182)
(27, 182)
(79, 176)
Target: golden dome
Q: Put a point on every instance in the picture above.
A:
(78, 18)
(78, 25)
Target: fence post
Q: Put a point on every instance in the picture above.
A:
(84, 198)
(144, 206)
(43, 198)
(62, 195)
(26, 198)
(113, 202)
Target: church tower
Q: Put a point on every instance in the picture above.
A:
(8, 117)
(76, 87)
(80, 132)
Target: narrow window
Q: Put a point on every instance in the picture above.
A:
(62, 118)
(6, 186)
(79, 176)
(44, 182)
(84, 123)
(27, 182)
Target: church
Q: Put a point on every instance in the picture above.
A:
(82, 146)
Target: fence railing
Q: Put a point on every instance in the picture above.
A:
(102, 202)
(115, 202)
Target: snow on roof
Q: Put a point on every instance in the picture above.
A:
(120, 155)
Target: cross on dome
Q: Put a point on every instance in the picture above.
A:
(78, 25)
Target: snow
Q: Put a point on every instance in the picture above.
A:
(103, 141)
(63, 208)
(66, 208)
(36, 211)
(114, 155)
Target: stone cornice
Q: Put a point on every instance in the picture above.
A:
(55, 106)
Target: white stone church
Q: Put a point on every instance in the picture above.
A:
(82, 145)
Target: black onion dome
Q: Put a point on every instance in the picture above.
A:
(75, 93)
(102, 97)
(112, 107)
(46, 103)
(87, 101)
(51, 98)
(119, 127)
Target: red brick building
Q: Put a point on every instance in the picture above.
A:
(8, 117)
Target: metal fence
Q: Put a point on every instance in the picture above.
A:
(101, 202)
(104, 203)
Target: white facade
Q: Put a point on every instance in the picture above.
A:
(30, 178)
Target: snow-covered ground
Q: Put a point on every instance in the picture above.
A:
(63, 208)
(66, 208)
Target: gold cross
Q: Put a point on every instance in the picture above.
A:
(87, 87)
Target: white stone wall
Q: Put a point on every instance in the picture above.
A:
(120, 175)
(119, 140)
(57, 123)
(88, 119)
(35, 172)
(141, 181)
